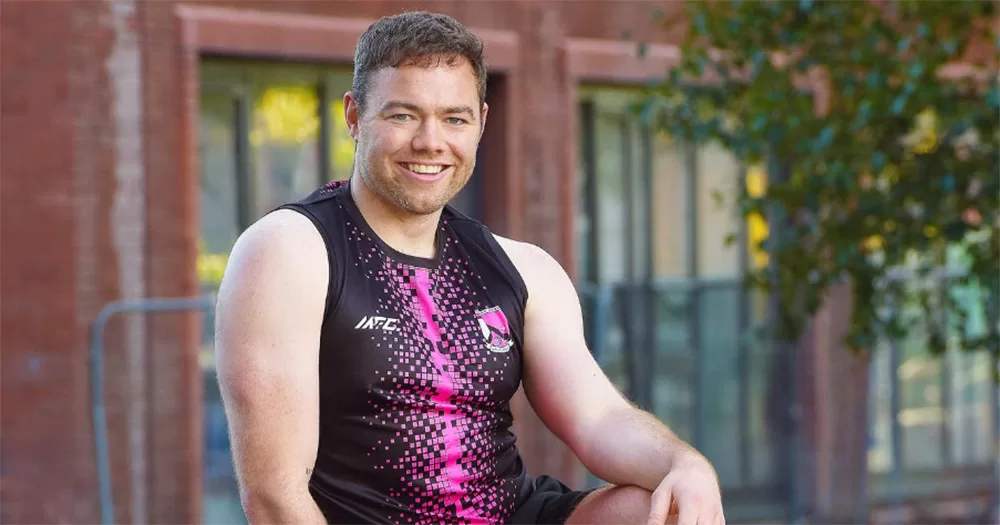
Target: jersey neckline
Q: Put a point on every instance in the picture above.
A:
(429, 263)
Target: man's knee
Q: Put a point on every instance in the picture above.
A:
(613, 504)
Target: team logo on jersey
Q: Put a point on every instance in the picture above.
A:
(493, 325)
(376, 322)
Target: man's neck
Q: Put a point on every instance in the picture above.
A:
(403, 231)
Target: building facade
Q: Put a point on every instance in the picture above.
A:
(143, 137)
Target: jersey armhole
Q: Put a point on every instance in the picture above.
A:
(336, 274)
(500, 254)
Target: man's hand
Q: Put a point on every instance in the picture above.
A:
(691, 492)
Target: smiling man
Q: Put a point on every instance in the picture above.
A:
(370, 337)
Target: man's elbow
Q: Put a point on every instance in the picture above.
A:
(260, 506)
(274, 506)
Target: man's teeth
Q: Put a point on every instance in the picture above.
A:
(424, 168)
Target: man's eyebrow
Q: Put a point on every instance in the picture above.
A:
(460, 109)
(397, 104)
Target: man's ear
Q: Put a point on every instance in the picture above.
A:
(351, 114)
(482, 124)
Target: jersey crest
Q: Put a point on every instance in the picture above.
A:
(493, 325)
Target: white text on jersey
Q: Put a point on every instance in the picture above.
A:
(376, 322)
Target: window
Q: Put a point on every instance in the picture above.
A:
(270, 133)
(933, 419)
(666, 311)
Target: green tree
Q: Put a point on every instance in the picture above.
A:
(881, 157)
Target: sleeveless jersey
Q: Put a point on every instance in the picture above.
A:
(419, 359)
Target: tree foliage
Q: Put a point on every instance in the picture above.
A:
(883, 174)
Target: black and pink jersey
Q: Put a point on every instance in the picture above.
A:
(419, 359)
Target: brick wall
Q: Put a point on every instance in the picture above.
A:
(175, 467)
(69, 210)
(74, 232)
(38, 324)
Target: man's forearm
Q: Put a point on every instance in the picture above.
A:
(632, 447)
(268, 508)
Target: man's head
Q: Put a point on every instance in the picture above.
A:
(417, 108)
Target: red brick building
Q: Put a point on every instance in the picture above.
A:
(142, 137)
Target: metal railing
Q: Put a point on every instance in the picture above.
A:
(184, 304)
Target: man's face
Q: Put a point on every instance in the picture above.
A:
(418, 134)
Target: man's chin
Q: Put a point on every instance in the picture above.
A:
(424, 207)
(423, 203)
(419, 200)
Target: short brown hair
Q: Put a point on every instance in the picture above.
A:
(415, 38)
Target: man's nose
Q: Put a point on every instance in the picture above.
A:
(429, 137)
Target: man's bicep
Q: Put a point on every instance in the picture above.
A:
(564, 384)
(267, 342)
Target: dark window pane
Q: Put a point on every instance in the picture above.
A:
(605, 330)
(718, 318)
(768, 415)
(674, 365)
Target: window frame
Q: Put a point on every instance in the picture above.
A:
(596, 295)
(238, 78)
(901, 480)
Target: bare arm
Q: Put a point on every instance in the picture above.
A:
(268, 320)
(618, 442)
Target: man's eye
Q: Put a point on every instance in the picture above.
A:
(455, 121)
(401, 117)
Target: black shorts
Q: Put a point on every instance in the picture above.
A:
(550, 503)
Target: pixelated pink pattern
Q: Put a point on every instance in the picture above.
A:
(435, 397)
(455, 490)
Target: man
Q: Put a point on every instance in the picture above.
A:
(370, 337)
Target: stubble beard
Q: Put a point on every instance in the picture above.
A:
(386, 186)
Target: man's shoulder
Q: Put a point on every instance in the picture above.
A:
(533, 263)
(518, 249)
(284, 239)
(280, 227)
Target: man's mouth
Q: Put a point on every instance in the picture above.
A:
(425, 169)
(425, 173)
